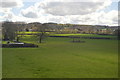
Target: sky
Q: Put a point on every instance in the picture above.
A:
(88, 12)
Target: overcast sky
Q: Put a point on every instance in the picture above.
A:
(90, 12)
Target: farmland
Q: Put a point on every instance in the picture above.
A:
(59, 39)
(58, 57)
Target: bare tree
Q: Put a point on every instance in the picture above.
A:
(9, 31)
(42, 28)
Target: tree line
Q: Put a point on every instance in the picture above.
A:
(10, 32)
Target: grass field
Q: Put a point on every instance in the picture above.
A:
(85, 35)
(60, 58)
(81, 35)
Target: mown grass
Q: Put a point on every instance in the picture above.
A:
(60, 58)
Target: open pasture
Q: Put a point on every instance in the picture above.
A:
(60, 58)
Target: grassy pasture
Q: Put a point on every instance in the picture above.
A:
(82, 35)
(85, 35)
(60, 58)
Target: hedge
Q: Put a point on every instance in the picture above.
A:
(18, 45)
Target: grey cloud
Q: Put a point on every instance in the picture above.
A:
(11, 3)
(71, 8)
(8, 4)
(30, 15)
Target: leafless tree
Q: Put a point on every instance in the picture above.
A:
(9, 30)
(42, 28)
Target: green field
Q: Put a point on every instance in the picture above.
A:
(60, 58)
(81, 35)
(85, 35)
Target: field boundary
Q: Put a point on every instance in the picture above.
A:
(87, 37)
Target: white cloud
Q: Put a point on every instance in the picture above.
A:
(109, 18)
(63, 8)
(11, 17)
(29, 12)
(58, 19)
(8, 16)
(96, 18)
(32, 11)
(5, 10)
(6, 7)
(62, 12)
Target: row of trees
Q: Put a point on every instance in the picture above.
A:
(10, 31)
